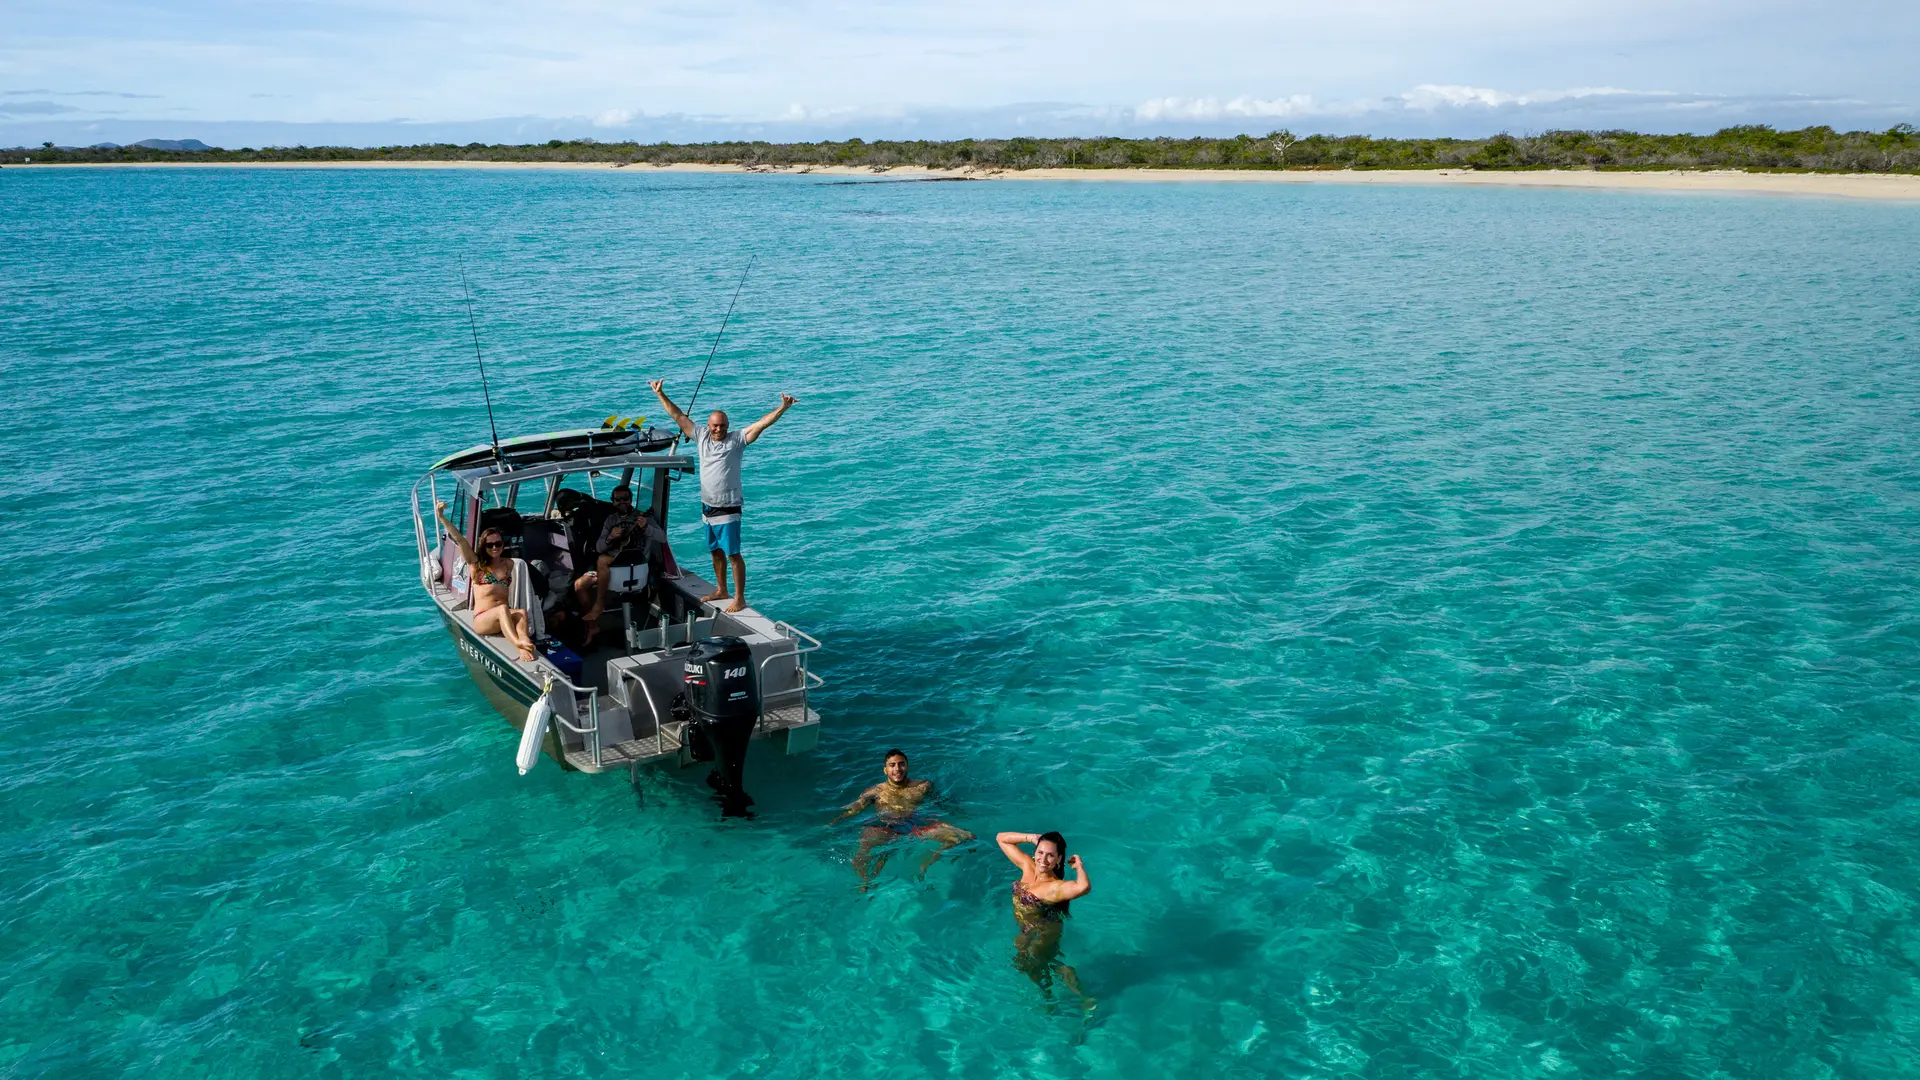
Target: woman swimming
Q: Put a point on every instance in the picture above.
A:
(1040, 900)
(489, 575)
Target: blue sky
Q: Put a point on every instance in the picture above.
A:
(359, 72)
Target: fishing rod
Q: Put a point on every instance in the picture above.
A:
(721, 334)
(475, 330)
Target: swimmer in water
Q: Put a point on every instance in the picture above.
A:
(1040, 900)
(896, 802)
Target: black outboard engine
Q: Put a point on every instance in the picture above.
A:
(724, 699)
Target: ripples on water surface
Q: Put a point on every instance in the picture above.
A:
(1465, 632)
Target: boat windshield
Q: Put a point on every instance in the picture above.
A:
(599, 486)
(541, 496)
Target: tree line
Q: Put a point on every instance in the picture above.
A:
(1753, 147)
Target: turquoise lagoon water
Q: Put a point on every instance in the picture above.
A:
(1466, 633)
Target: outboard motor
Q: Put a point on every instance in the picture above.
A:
(724, 699)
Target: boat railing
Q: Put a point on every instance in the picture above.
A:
(427, 571)
(420, 529)
(429, 567)
(671, 635)
(659, 719)
(802, 644)
(589, 734)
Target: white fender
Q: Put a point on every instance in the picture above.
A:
(534, 733)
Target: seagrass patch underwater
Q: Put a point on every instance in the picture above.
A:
(1465, 632)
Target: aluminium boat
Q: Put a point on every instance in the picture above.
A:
(635, 696)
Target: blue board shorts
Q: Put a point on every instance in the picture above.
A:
(723, 535)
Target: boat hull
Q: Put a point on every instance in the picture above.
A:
(510, 691)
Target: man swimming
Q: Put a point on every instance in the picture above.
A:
(896, 801)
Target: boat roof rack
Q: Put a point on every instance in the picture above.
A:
(562, 446)
(478, 481)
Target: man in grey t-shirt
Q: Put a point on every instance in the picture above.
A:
(720, 497)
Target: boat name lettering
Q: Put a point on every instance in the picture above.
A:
(485, 661)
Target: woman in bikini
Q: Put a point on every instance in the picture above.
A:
(490, 574)
(1040, 900)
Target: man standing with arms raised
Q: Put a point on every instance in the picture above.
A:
(720, 449)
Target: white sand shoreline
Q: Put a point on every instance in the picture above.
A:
(1718, 181)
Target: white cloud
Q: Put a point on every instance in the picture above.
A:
(1173, 108)
(797, 113)
(1425, 98)
(1431, 96)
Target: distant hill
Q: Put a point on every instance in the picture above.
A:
(191, 145)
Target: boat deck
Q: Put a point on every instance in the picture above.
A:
(665, 746)
(628, 738)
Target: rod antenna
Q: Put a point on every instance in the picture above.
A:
(475, 331)
(721, 334)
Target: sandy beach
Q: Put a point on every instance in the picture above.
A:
(1850, 186)
(1717, 182)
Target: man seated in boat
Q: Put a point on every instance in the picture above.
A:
(625, 528)
(489, 577)
(897, 801)
(720, 449)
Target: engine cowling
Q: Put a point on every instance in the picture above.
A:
(723, 697)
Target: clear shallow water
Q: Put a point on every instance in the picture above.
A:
(1466, 633)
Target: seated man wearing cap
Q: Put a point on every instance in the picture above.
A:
(624, 528)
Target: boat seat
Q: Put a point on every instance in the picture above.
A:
(542, 538)
(634, 572)
(508, 521)
(627, 579)
(521, 594)
(584, 523)
(548, 553)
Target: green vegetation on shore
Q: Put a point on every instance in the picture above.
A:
(1814, 149)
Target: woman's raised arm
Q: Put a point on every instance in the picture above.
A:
(1008, 842)
(466, 549)
(1081, 885)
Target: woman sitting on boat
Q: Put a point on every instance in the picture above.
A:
(489, 576)
(1040, 900)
